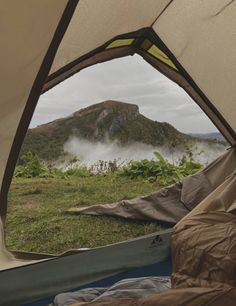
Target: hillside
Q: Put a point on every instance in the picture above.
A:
(214, 136)
(103, 122)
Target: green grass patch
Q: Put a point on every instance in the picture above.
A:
(36, 221)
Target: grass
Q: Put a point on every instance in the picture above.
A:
(36, 221)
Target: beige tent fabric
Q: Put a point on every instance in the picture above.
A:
(221, 168)
(208, 258)
(24, 42)
(169, 204)
(202, 37)
(97, 21)
(222, 199)
(204, 243)
(165, 205)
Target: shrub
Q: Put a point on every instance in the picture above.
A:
(155, 170)
(79, 172)
(160, 169)
(31, 166)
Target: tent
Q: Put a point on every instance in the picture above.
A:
(44, 42)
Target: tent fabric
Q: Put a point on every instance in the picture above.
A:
(223, 198)
(195, 31)
(28, 47)
(209, 257)
(172, 203)
(197, 37)
(204, 243)
(86, 31)
(40, 280)
(164, 206)
(203, 255)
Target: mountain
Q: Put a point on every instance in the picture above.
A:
(103, 122)
(214, 136)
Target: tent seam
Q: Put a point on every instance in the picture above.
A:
(161, 13)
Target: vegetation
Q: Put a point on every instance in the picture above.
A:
(30, 166)
(155, 170)
(39, 195)
(144, 130)
(160, 170)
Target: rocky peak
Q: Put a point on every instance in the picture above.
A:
(110, 116)
(108, 107)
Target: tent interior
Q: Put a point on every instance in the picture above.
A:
(190, 42)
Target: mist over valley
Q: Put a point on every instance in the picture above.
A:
(113, 130)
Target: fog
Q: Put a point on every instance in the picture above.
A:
(91, 152)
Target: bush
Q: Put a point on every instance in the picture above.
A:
(79, 172)
(31, 166)
(160, 169)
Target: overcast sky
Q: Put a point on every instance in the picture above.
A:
(129, 79)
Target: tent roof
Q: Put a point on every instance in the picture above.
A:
(44, 42)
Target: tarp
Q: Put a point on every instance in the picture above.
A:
(172, 203)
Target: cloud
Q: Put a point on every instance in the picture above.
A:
(128, 79)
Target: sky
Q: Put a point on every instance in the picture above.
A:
(128, 79)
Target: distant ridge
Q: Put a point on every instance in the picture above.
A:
(213, 136)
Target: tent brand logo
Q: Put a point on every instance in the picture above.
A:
(157, 241)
